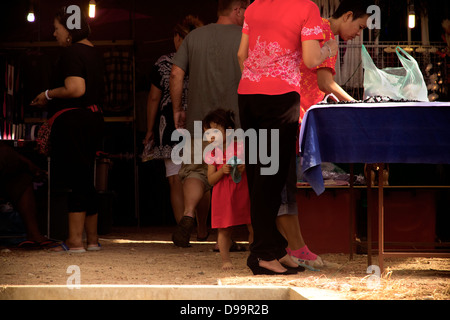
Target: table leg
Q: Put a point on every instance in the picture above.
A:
(380, 217)
(48, 197)
(370, 204)
(352, 212)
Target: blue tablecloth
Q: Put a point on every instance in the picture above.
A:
(400, 132)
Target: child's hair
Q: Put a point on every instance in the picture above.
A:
(187, 25)
(222, 117)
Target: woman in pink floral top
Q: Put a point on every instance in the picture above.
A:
(276, 36)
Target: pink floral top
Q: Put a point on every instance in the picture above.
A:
(276, 29)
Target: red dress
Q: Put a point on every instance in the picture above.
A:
(230, 203)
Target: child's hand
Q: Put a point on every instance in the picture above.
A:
(226, 169)
(241, 167)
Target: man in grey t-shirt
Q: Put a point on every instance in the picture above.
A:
(209, 55)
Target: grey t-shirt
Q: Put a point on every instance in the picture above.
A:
(209, 55)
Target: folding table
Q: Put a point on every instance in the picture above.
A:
(375, 133)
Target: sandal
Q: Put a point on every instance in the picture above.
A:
(62, 247)
(47, 244)
(308, 264)
(28, 245)
(312, 265)
(94, 247)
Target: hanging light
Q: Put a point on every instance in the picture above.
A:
(92, 5)
(411, 17)
(30, 16)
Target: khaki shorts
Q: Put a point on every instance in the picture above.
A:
(197, 171)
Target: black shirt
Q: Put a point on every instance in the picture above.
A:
(83, 61)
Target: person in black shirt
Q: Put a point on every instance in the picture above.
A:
(77, 132)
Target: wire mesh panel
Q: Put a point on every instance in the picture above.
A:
(431, 59)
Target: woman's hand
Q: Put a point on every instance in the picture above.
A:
(180, 119)
(148, 137)
(241, 167)
(74, 87)
(40, 100)
(333, 45)
(314, 55)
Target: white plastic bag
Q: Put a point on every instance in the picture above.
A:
(403, 83)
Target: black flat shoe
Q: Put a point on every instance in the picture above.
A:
(296, 269)
(253, 264)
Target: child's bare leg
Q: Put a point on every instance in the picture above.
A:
(224, 241)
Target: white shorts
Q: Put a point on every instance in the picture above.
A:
(171, 168)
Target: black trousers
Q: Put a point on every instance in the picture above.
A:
(269, 112)
(76, 137)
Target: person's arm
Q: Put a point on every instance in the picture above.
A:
(74, 87)
(326, 83)
(243, 50)
(314, 55)
(154, 97)
(215, 175)
(176, 93)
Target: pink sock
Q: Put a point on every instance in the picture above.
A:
(303, 253)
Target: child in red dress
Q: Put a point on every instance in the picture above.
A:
(230, 203)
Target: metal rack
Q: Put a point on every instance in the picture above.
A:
(349, 71)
